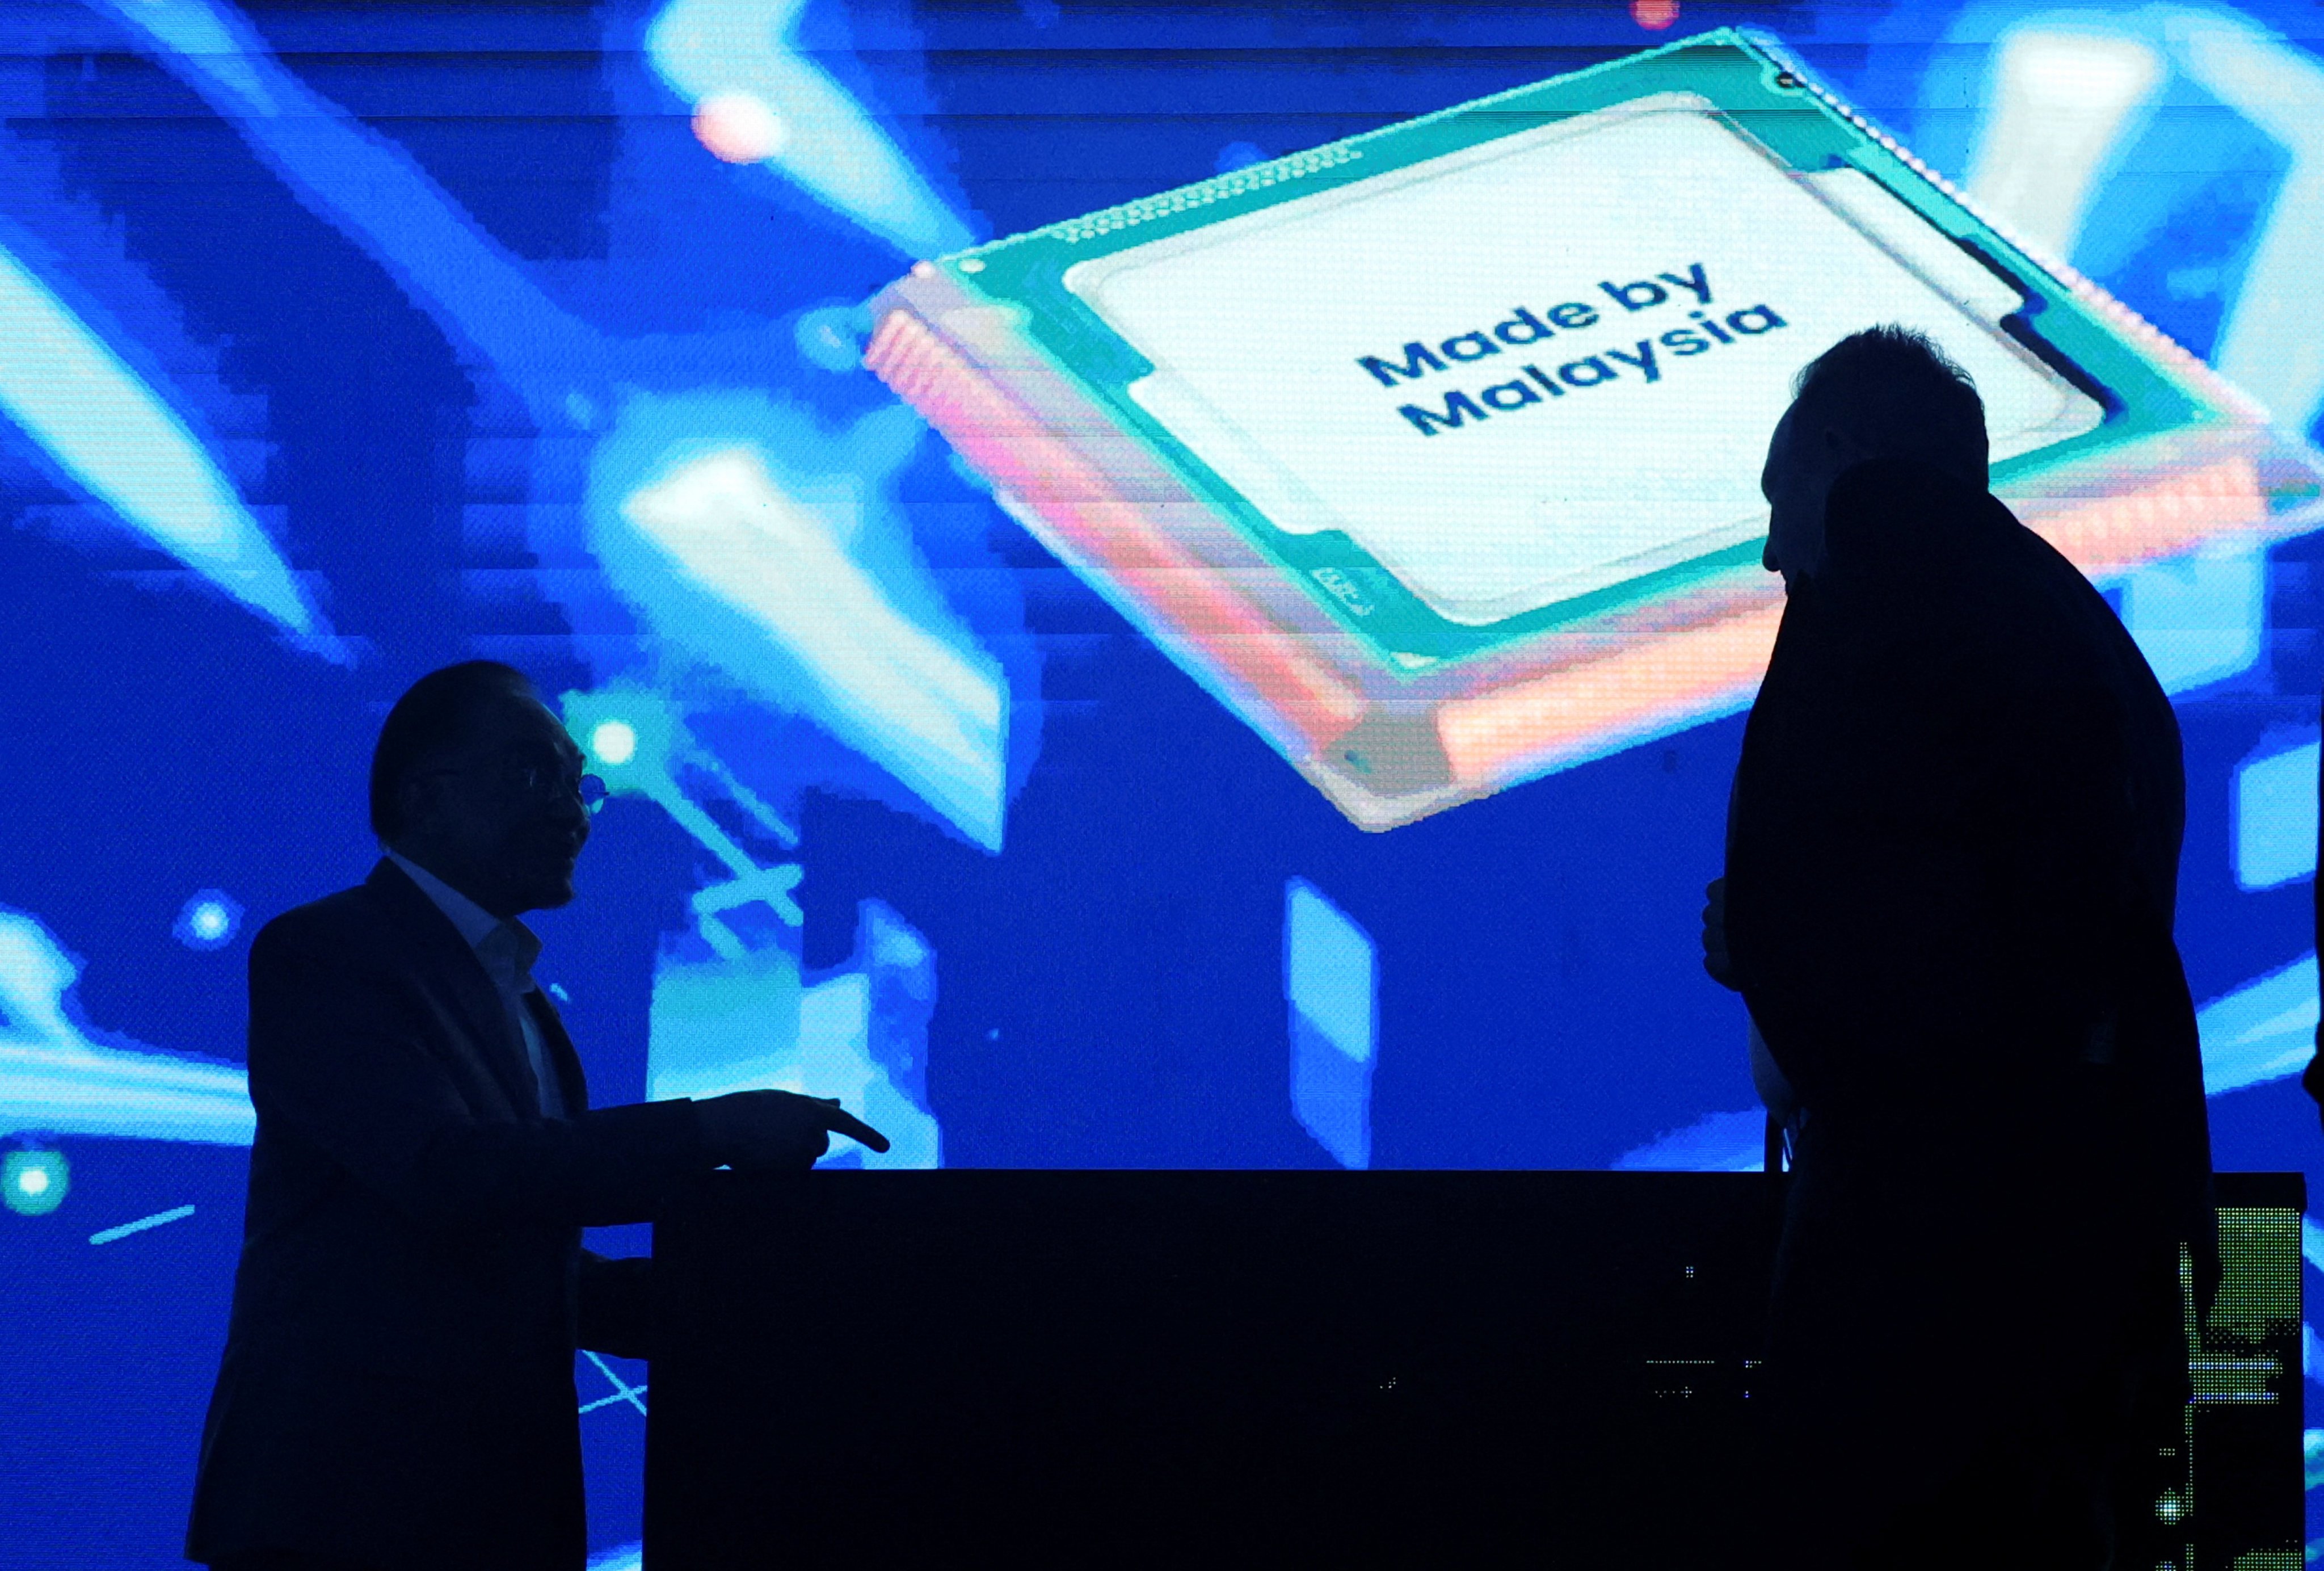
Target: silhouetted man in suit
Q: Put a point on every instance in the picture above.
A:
(397, 1389)
(1952, 866)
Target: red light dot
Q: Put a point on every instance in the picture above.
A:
(1654, 15)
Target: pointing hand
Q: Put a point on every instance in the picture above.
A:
(756, 1131)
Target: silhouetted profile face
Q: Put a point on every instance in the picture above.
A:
(1804, 456)
(498, 813)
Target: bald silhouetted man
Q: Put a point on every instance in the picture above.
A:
(397, 1389)
(1952, 867)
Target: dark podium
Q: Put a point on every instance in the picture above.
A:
(1292, 1369)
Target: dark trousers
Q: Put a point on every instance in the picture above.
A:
(288, 1560)
(1958, 1360)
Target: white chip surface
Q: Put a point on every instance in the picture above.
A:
(1256, 328)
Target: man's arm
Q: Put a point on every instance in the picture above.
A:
(337, 1057)
(1942, 875)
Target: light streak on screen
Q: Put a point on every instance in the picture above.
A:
(116, 439)
(948, 774)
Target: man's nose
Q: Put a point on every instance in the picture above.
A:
(568, 812)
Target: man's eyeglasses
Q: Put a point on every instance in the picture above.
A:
(545, 783)
(540, 782)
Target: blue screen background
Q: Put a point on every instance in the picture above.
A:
(332, 341)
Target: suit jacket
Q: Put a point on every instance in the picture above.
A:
(1954, 856)
(397, 1387)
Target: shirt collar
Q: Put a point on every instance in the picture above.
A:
(476, 925)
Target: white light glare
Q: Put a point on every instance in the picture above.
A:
(878, 680)
(2060, 102)
(737, 127)
(614, 742)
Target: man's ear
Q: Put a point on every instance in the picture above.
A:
(416, 802)
(1842, 448)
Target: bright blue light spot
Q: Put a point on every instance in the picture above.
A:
(1329, 979)
(2274, 817)
(33, 1183)
(1236, 155)
(208, 921)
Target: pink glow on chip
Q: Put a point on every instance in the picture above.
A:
(1653, 15)
(2175, 513)
(1006, 443)
(738, 127)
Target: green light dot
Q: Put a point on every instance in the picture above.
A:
(33, 1183)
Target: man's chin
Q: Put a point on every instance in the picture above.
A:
(552, 891)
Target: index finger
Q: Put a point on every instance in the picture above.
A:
(839, 1121)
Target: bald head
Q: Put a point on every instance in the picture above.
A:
(1886, 392)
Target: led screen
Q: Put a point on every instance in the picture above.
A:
(339, 343)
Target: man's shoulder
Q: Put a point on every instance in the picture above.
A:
(2082, 640)
(2006, 607)
(353, 919)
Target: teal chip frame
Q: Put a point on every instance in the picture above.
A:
(1757, 89)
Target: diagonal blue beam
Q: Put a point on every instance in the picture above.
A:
(117, 440)
(375, 194)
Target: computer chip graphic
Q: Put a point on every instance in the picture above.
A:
(1435, 453)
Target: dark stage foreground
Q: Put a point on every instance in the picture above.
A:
(1297, 1369)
